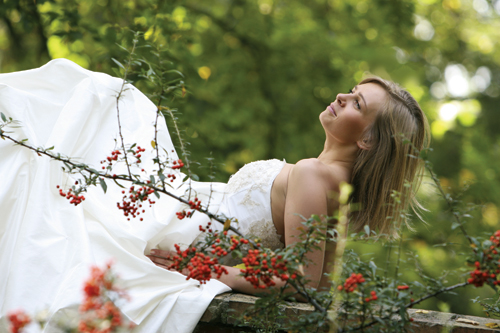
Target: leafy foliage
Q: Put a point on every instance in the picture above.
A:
(259, 72)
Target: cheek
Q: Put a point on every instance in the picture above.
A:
(353, 127)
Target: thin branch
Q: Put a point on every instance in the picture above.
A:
(399, 254)
(409, 305)
(122, 89)
(301, 291)
(458, 285)
(183, 147)
(157, 149)
(84, 167)
(449, 201)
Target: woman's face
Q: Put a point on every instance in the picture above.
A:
(346, 118)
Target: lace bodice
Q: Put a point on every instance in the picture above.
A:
(248, 198)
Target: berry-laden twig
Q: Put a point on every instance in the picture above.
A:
(18, 320)
(98, 312)
(486, 260)
(94, 175)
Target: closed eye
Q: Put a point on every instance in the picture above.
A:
(356, 101)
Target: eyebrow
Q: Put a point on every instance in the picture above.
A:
(366, 107)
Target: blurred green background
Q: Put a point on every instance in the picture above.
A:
(259, 73)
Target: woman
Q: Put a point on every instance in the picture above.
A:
(366, 131)
(47, 245)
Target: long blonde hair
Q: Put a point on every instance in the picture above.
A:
(386, 176)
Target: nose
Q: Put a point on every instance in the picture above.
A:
(341, 99)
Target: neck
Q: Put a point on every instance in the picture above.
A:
(335, 153)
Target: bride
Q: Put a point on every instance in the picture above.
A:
(362, 147)
(47, 245)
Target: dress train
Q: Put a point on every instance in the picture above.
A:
(46, 244)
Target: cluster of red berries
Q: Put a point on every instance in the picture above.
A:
(220, 251)
(132, 203)
(196, 205)
(235, 242)
(18, 319)
(495, 238)
(183, 214)
(177, 164)
(479, 277)
(200, 266)
(260, 267)
(137, 153)
(258, 270)
(172, 177)
(351, 283)
(74, 199)
(110, 159)
(486, 271)
(373, 296)
(98, 314)
(217, 250)
(97, 283)
(109, 312)
(208, 227)
(96, 306)
(405, 287)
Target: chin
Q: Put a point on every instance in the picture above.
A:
(322, 116)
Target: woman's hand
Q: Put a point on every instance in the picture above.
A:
(232, 278)
(162, 258)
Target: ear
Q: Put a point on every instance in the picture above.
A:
(363, 144)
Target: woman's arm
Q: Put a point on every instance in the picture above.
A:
(232, 279)
(309, 184)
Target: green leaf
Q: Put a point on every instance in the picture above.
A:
(103, 185)
(157, 194)
(152, 178)
(175, 71)
(94, 171)
(315, 218)
(122, 47)
(236, 254)
(118, 63)
(373, 267)
(195, 177)
(118, 184)
(3, 117)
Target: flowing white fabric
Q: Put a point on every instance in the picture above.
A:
(48, 245)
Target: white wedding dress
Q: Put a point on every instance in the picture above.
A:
(47, 245)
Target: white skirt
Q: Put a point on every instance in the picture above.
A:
(47, 245)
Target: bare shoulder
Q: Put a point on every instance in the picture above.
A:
(313, 171)
(313, 184)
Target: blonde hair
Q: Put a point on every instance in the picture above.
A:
(386, 176)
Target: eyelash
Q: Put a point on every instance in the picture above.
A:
(357, 102)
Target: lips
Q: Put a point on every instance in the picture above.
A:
(332, 109)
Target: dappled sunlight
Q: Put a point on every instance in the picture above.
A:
(258, 74)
